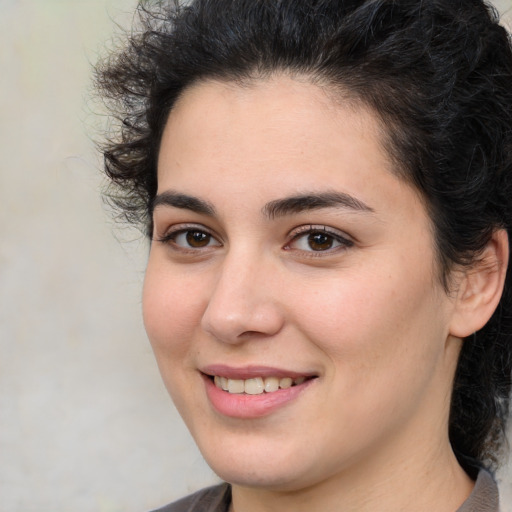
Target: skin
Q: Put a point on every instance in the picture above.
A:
(368, 317)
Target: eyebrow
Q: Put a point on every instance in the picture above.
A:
(314, 201)
(277, 208)
(183, 201)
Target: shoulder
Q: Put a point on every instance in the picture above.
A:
(211, 499)
(484, 497)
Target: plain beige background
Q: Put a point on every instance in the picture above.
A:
(85, 423)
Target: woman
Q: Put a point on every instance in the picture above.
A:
(326, 188)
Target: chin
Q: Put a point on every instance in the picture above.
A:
(261, 465)
(276, 479)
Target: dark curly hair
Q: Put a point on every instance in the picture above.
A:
(437, 72)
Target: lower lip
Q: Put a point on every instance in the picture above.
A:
(246, 406)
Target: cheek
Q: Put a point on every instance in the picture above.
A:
(377, 322)
(385, 345)
(172, 311)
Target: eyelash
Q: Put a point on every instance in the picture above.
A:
(330, 235)
(185, 229)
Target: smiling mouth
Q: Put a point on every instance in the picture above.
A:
(257, 385)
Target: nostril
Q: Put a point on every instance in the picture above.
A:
(250, 334)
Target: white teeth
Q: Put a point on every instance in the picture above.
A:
(271, 384)
(256, 385)
(221, 382)
(236, 386)
(285, 383)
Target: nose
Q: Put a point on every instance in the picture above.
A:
(243, 302)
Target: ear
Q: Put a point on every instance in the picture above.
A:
(480, 287)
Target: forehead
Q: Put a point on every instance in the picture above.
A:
(280, 121)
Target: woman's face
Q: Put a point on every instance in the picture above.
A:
(288, 256)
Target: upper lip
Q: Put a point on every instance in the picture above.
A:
(251, 371)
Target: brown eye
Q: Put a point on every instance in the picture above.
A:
(198, 239)
(320, 241)
(191, 239)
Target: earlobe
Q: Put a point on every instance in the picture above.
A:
(480, 287)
